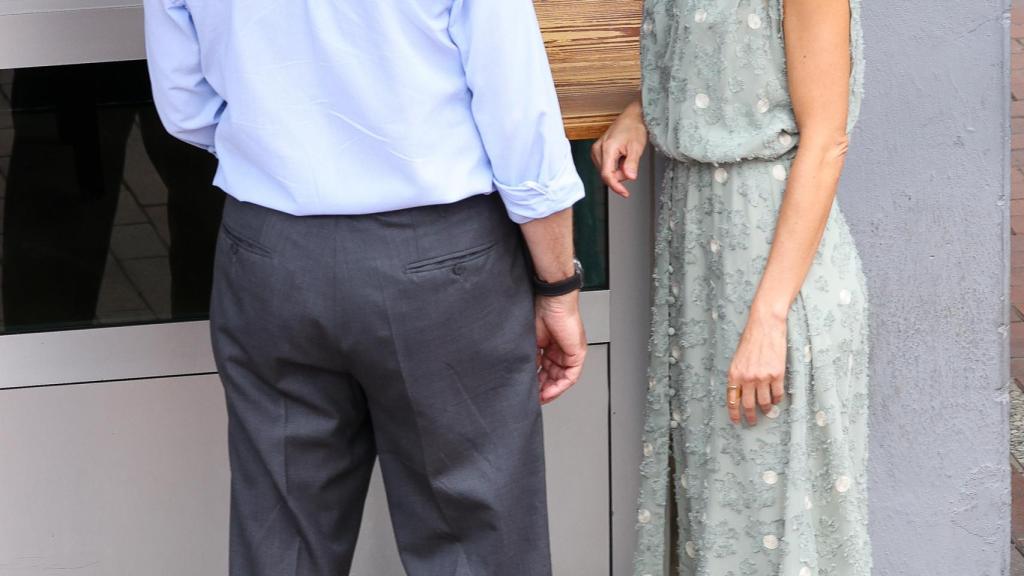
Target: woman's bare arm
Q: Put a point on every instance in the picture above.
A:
(817, 34)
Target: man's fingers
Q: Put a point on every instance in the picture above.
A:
(558, 359)
(558, 382)
(551, 392)
(573, 373)
(548, 373)
(549, 365)
(561, 360)
(559, 372)
(596, 153)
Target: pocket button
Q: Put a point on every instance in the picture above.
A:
(457, 270)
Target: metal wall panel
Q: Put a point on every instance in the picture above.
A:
(131, 479)
(114, 479)
(631, 244)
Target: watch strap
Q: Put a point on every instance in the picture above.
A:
(562, 287)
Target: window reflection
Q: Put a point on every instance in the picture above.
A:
(106, 219)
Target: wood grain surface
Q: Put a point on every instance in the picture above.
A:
(594, 49)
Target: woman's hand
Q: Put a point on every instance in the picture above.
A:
(818, 55)
(757, 373)
(617, 154)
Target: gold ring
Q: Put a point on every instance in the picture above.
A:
(733, 395)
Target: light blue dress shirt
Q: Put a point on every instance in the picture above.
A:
(365, 106)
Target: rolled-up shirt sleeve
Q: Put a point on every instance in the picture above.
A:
(188, 106)
(515, 106)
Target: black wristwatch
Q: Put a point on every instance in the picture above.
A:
(563, 287)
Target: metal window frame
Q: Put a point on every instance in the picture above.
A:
(155, 350)
(57, 34)
(105, 31)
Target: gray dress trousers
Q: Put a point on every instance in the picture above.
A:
(407, 337)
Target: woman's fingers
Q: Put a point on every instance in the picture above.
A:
(617, 153)
(732, 402)
(759, 368)
(749, 400)
(610, 172)
(764, 396)
(631, 165)
(778, 389)
(741, 397)
(744, 395)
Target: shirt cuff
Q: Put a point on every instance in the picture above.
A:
(533, 200)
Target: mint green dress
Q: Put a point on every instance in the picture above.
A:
(787, 497)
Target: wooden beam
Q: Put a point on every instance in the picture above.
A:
(594, 49)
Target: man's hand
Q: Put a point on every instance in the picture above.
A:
(561, 344)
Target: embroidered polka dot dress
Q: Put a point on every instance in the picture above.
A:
(787, 497)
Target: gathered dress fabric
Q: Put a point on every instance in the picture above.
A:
(788, 496)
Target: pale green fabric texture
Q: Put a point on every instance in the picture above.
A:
(787, 497)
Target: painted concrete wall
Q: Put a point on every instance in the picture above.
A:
(926, 193)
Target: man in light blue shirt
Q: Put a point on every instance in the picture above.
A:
(372, 298)
(363, 107)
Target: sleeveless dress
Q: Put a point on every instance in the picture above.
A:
(787, 497)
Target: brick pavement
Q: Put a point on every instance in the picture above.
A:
(1017, 262)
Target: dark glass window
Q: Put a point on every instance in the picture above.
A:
(107, 220)
(590, 217)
